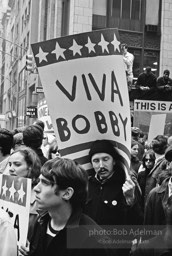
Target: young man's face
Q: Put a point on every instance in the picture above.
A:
(124, 49)
(103, 164)
(45, 194)
(166, 75)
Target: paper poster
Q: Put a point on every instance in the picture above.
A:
(44, 116)
(157, 124)
(153, 117)
(15, 195)
(86, 91)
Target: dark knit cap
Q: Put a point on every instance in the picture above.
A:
(102, 146)
(168, 154)
(33, 135)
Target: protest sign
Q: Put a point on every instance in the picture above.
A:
(15, 199)
(44, 116)
(85, 86)
(153, 117)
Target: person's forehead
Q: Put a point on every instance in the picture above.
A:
(101, 155)
(42, 177)
(17, 156)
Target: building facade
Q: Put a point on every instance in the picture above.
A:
(145, 25)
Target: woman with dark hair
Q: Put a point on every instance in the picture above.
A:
(148, 162)
(135, 162)
(24, 162)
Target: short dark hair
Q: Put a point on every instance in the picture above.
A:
(67, 173)
(6, 141)
(32, 161)
(33, 136)
(148, 68)
(159, 144)
(166, 71)
(124, 45)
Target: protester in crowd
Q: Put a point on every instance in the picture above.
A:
(112, 199)
(136, 136)
(40, 123)
(128, 61)
(48, 144)
(143, 138)
(135, 162)
(24, 162)
(53, 149)
(17, 140)
(32, 137)
(146, 80)
(159, 145)
(6, 143)
(169, 140)
(158, 197)
(160, 244)
(8, 239)
(164, 83)
(148, 162)
(63, 229)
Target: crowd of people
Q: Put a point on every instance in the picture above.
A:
(76, 213)
(150, 87)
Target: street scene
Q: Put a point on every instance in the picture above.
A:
(85, 127)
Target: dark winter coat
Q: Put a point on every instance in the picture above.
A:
(152, 177)
(74, 240)
(106, 203)
(154, 211)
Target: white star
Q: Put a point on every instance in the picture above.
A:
(76, 48)
(115, 43)
(41, 55)
(4, 188)
(12, 191)
(103, 43)
(59, 51)
(21, 193)
(90, 46)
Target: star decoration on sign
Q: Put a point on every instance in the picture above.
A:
(59, 51)
(76, 48)
(4, 188)
(21, 193)
(90, 46)
(41, 55)
(12, 191)
(115, 43)
(103, 43)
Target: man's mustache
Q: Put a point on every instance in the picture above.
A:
(102, 169)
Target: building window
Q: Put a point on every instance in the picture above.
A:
(121, 14)
(126, 7)
(65, 17)
(130, 9)
(22, 23)
(27, 46)
(136, 10)
(29, 6)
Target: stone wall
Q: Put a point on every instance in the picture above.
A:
(80, 16)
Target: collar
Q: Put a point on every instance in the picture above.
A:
(163, 186)
(159, 158)
(73, 221)
(102, 181)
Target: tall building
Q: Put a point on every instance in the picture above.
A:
(145, 25)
